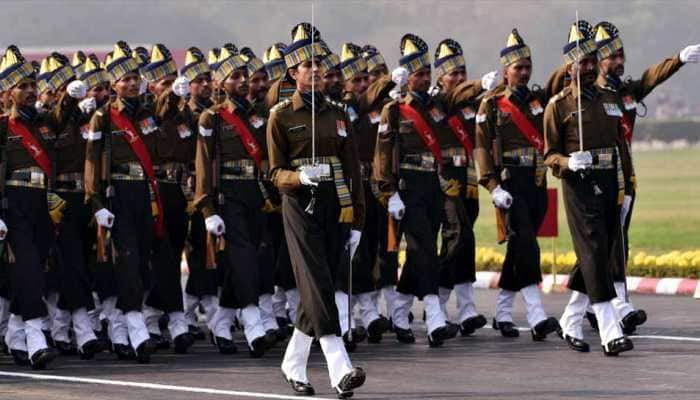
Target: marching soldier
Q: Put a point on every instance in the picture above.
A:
(27, 159)
(611, 56)
(201, 287)
(596, 170)
(364, 102)
(175, 148)
(317, 206)
(376, 65)
(284, 86)
(71, 216)
(509, 150)
(120, 184)
(229, 143)
(414, 144)
(458, 254)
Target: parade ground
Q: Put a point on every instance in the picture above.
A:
(664, 365)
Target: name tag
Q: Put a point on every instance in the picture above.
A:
(297, 129)
(375, 117)
(536, 107)
(468, 113)
(612, 109)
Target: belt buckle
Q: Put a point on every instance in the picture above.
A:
(325, 170)
(459, 160)
(36, 178)
(135, 170)
(427, 162)
(249, 169)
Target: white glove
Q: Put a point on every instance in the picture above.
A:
(580, 160)
(143, 88)
(354, 241)
(399, 76)
(3, 230)
(395, 93)
(691, 54)
(626, 204)
(88, 105)
(104, 218)
(77, 89)
(309, 175)
(396, 207)
(490, 81)
(501, 198)
(215, 225)
(434, 90)
(181, 86)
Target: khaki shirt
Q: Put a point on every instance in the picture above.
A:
(215, 131)
(101, 125)
(489, 119)
(394, 127)
(289, 138)
(601, 128)
(71, 136)
(280, 90)
(176, 139)
(43, 128)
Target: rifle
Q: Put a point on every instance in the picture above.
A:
(503, 226)
(103, 234)
(6, 256)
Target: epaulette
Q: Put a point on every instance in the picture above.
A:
(608, 88)
(99, 113)
(282, 104)
(560, 95)
(210, 111)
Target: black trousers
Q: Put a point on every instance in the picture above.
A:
(201, 281)
(73, 249)
(521, 266)
(458, 250)
(424, 203)
(283, 272)
(620, 268)
(244, 222)
(30, 235)
(315, 243)
(594, 223)
(132, 236)
(363, 263)
(166, 288)
(387, 263)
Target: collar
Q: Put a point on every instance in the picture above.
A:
(128, 106)
(299, 102)
(587, 92)
(237, 103)
(28, 115)
(199, 105)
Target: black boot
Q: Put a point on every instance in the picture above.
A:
(350, 345)
(376, 329)
(159, 341)
(20, 357)
(42, 358)
(300, 388)
(144, 351)
(544, 328)
(183, 342)
(270, 338)
(575, 344)
(90, 348)
(123, 351)
(617, 346)
(351, 381)
(65, 348)
(470, 325)
(196, 332)
(631, 321)
(404, 335)
(257, 347)
(507, 329)
(225, 346)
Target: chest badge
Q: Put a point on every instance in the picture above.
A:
(148, 125)
(374, 117)
(184, 131)
(468, 113)
(341, 128)
(255, 121)
(536, 107)
(436, 114)
(629, 103)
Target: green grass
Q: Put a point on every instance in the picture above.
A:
(666, 215)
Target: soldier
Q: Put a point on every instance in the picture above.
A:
(228, 165)
(611, 56)
(458, 254)
(362, 101)
(376, 65)
(317, 206)
(509, 150)
(175, 148)
(284, 86)
(120, 184)
(414, 143)
(27, 158)
(72, 297)
(596, 170)
(201, 287)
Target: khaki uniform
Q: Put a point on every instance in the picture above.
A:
(289, 138)
(592, 198)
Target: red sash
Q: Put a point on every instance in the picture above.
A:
(627, 128)
(139, 148)
(251, 145)
(460, 131)
(522, 123)
(31, 144)
(424, 131)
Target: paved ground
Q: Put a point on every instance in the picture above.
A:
(483, 366)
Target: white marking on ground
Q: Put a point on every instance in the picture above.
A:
(661, 337)
(152, 386)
